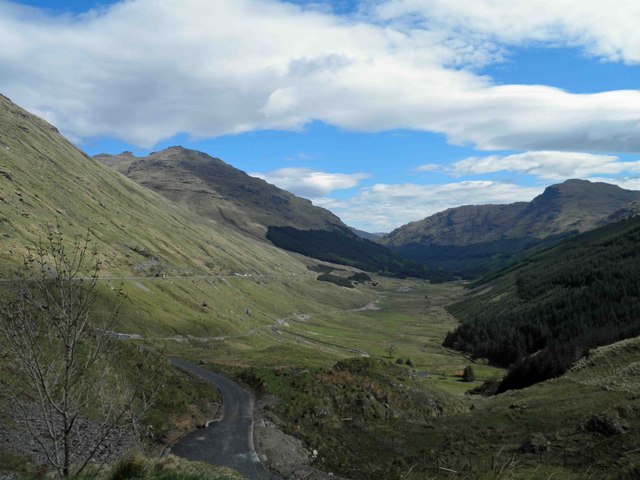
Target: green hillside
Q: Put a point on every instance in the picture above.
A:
(582, 425)
(44, 177)
(182, 273)
(546, 312)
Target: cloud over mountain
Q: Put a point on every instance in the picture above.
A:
(309, 183)
(547, 165)
(383, 207)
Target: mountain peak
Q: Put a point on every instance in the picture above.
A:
(489, 234)
(221, 192)
(577, 181)
(175, 149)
(576, 184)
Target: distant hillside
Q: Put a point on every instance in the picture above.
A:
(472, 239)
(217, 191)
(366, 235)
(547, 311)
(346, 248)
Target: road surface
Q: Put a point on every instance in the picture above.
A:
(229, 441)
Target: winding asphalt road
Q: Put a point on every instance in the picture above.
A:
(229, 441)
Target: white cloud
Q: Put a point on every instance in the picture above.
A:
(547, 165)
(145, 70)
(383, 207)
(428, 167)
(308, 183)
(604, 29)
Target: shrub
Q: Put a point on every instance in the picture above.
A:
(488, 388)
(360, 277)
(129, 467)
(340, 281)
(468, 375)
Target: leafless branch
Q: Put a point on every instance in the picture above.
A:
(49, 328)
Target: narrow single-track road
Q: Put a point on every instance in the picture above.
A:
(229, 441)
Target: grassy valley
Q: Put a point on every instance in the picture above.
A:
(199, 289)
(353, 367)
(371, 417)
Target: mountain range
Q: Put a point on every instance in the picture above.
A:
(228, 196)
(466, 241)
(43, 177)
(473, 239)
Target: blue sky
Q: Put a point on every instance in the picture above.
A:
(384, 111)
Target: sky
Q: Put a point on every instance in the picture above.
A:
(383, 111)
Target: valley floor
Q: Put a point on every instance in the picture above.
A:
(406, 319)
(360, 379)
(367, 416)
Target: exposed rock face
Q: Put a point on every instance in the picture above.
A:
(629, 211)
(116, 444)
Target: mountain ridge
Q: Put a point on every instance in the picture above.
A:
(472, 239)
(228, 196)
(218, 191)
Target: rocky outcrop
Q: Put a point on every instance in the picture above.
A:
(17, 437)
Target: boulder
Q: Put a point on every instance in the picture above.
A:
(535, 443)
(603, 424)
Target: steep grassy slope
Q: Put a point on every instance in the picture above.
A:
(218, 191)
(472, 239)
(182, 273)
(44, 177)
(547, 311)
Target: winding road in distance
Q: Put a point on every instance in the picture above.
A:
(229, 441)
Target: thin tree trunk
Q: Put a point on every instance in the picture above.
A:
(67, 446)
